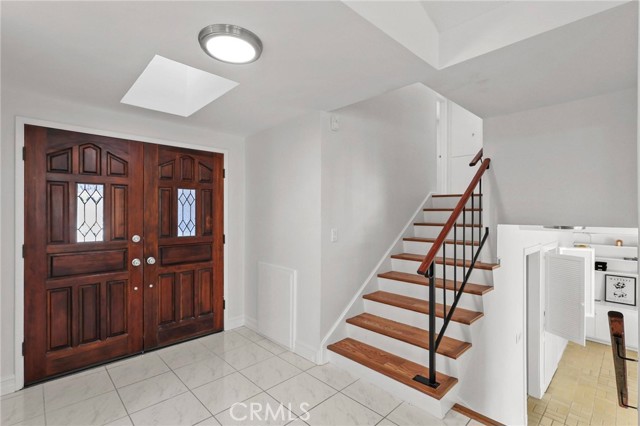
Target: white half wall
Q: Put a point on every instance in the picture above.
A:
(376, 168)
(149, 127)
(283, 218)
(499, 341)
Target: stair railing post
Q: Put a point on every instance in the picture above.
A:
(432, 326)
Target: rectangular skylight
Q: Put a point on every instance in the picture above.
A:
(175, 88)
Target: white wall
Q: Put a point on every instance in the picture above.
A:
(567, 164)
(283, 217)
(365, 179)
(22, 103)
(376, 169)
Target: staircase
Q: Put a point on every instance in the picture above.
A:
(390, 342)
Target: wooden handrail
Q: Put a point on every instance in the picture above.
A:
(429, 258)
(616, 329)
(477, 158)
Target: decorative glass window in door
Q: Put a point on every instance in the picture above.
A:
(186, 212)
(90, 206)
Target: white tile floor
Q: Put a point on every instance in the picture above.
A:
(198, 382)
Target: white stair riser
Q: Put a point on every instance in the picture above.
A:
(462, 232)
(452, 202)
(478, 276)
(423, 248)
(402, 349)
(467, 301)
(438, 408)
(442, 217)
(455, 329)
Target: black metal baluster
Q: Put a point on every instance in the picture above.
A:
(480, 212)
(432, 325)
(455, 256)
(473, 219)
(464, 242)
(444, 280)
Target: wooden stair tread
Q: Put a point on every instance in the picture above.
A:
(392, 366)
(441, 225)
(433, 240)
(461, 315)
(431, 209)
(452, 195)
(448, 347)
(439, 261)
(470, 288)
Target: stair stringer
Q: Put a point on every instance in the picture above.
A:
(356, 305)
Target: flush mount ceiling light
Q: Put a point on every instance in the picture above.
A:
(230, 43)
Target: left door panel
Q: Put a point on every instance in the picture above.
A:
(83, 294)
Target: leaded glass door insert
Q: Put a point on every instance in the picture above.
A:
(186, 212)
(90, 212)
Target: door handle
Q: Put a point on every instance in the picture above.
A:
(151, 260)
(136, 262)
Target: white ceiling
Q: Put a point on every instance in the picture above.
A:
(448, 14)
(317, 56)
(588, 57)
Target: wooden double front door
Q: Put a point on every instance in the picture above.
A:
(123, 248)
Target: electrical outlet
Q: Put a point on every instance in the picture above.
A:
(334, 235)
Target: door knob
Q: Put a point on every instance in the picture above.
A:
(135, 289)
(136, 262)
(151, 260)
(136, 238)
(150, 285)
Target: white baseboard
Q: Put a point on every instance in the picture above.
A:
(234, 322)
(306, 351)
(8, 385)
(301, 348)
(251, 323)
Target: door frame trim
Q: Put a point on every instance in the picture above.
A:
(20, 122)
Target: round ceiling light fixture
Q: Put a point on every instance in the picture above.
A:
(230, 43)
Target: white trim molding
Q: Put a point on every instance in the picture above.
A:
(234, 322)
(251, 323)
(307, 351)
(8, 385)
(20, 122)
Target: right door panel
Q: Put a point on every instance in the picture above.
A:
(183, 244)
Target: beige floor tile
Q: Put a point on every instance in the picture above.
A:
(583, 391)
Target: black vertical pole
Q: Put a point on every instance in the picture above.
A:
(432, 325)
